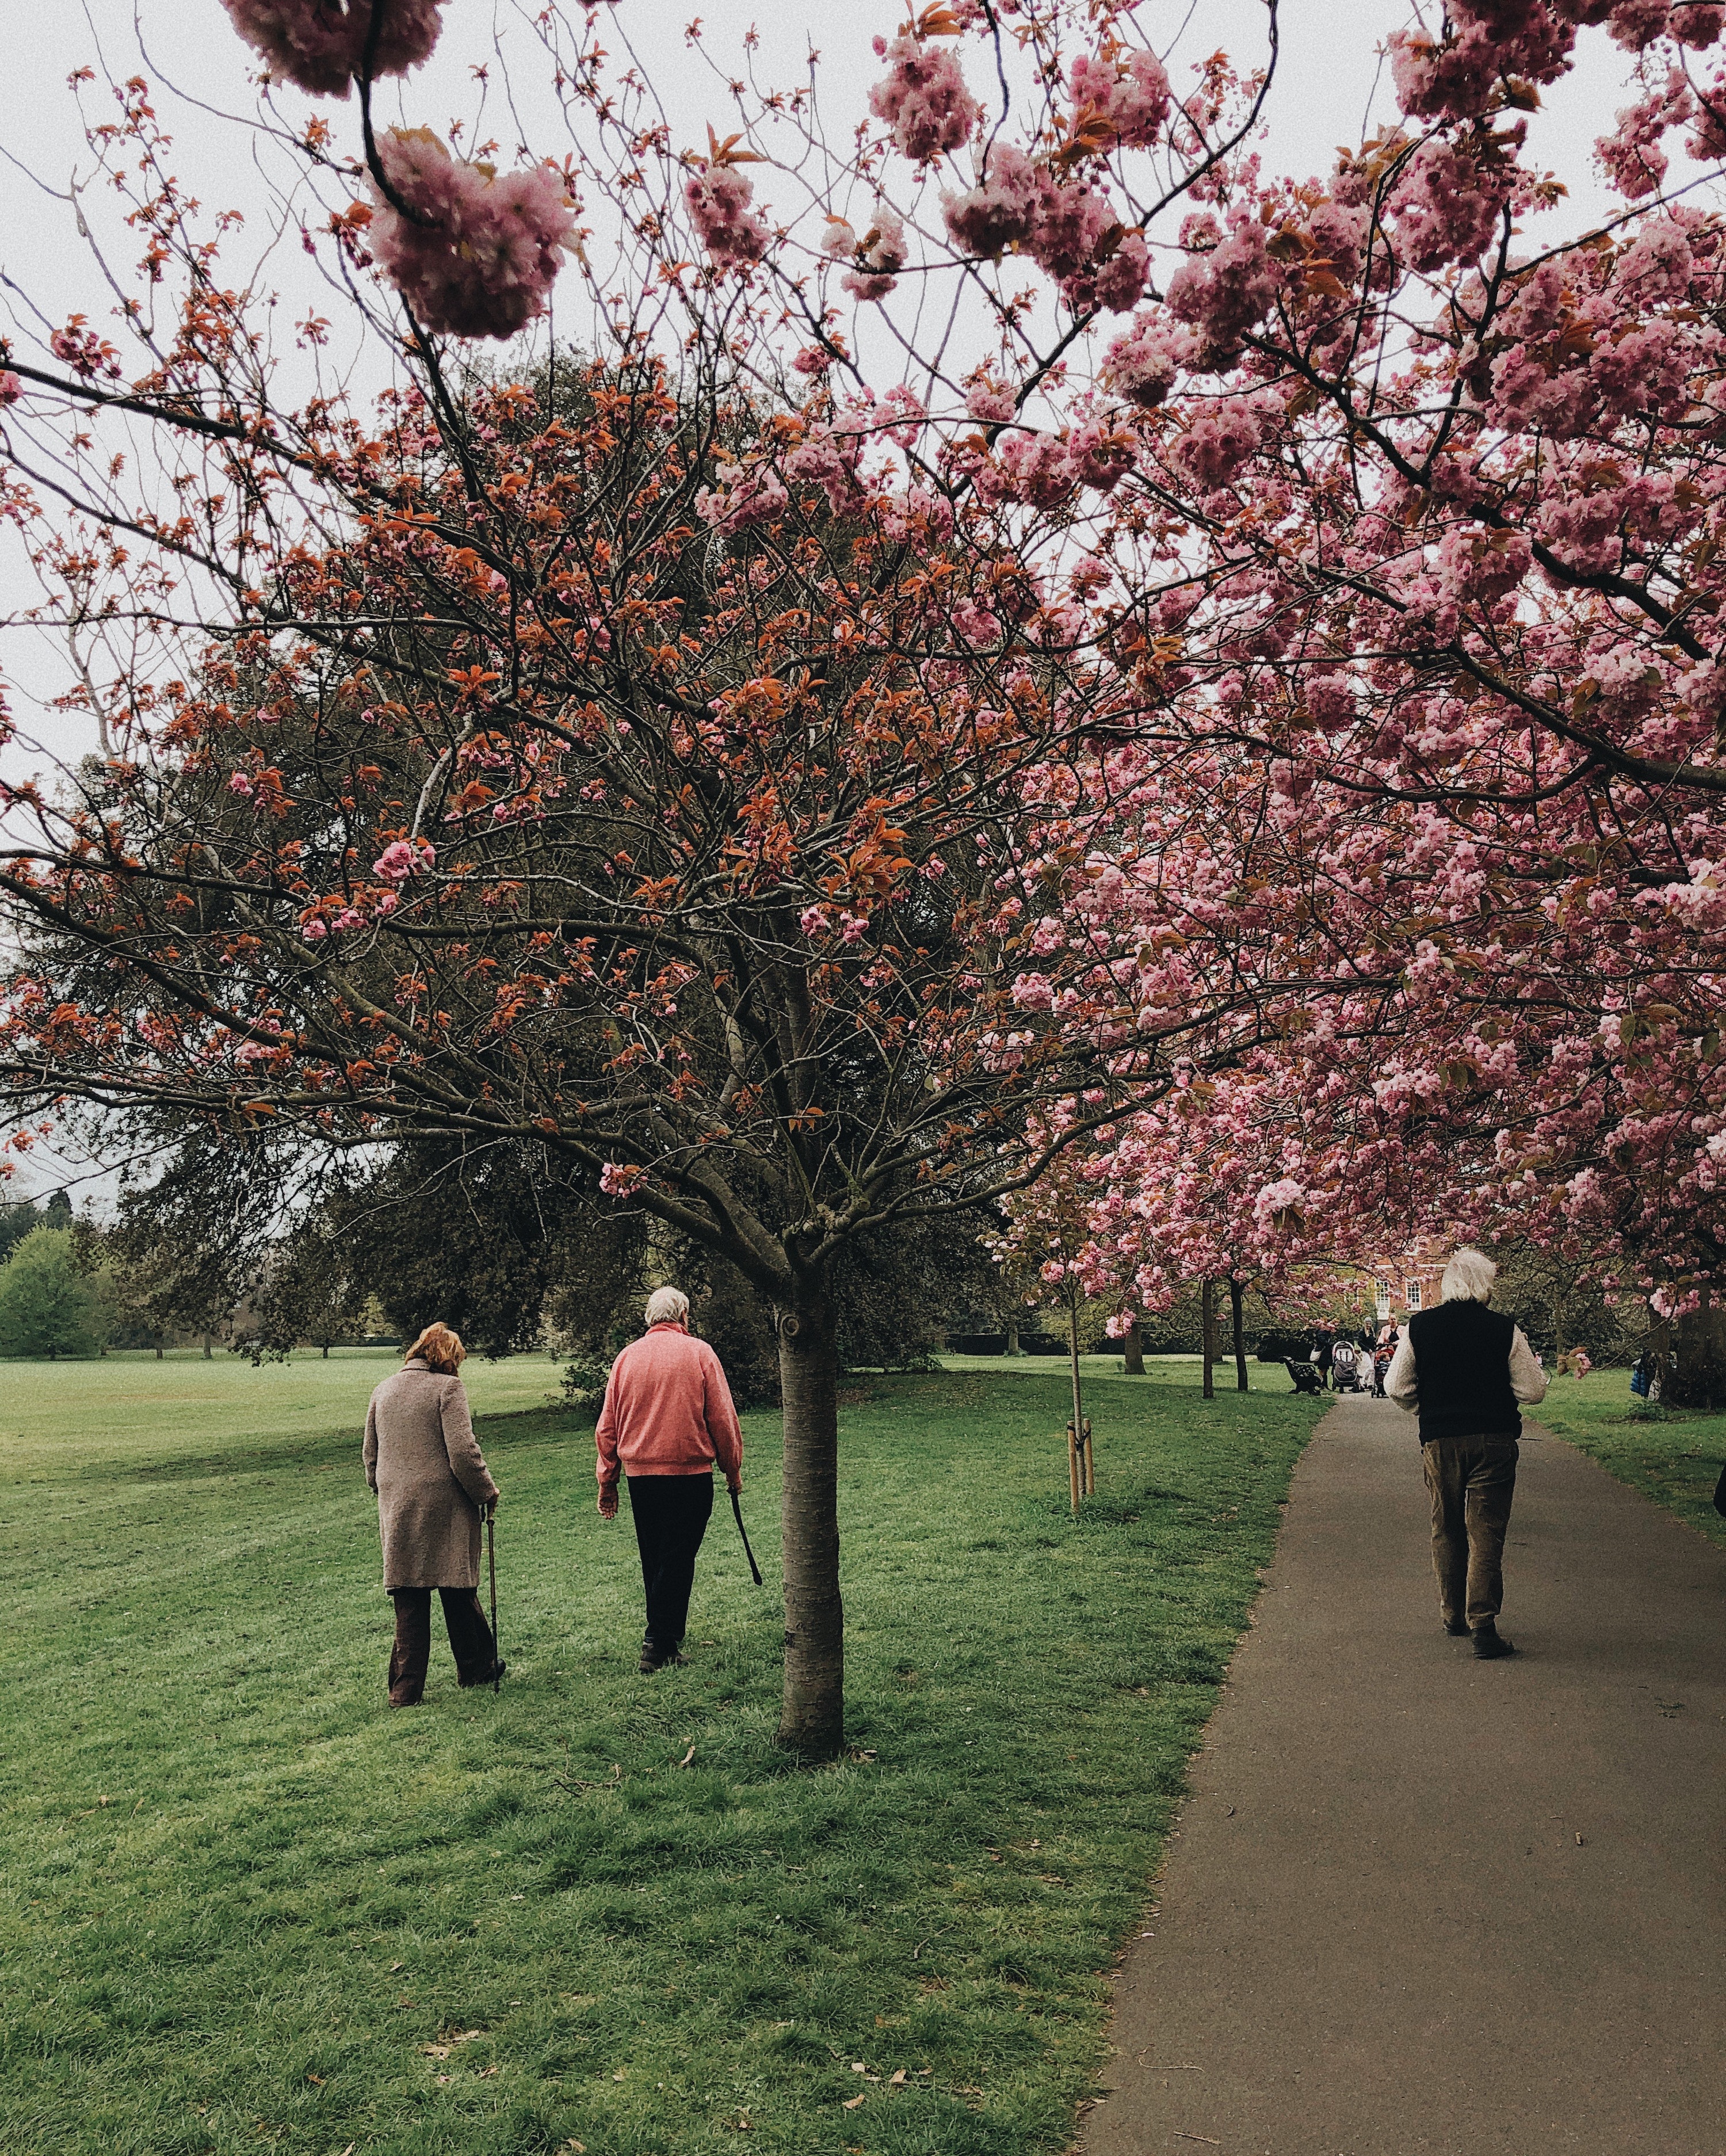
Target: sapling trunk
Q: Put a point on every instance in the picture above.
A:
(1072, 1334)
(812, 1712)
(1207, 1307)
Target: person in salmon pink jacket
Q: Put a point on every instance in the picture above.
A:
(668, 1421)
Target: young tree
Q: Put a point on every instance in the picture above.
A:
(47, 1307)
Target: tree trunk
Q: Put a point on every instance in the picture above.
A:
(812, 1712)
(1207, 1304)
(1072, 1335)
(327, 1351)
(208, 1351)
(1237, 1303)
(1013, 1346)
(158, 1351)
(1134, 1345)
(1697, 1366)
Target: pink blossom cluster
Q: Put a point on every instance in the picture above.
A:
(721, 200)
(1129, 96)
(1069, 229)
(755, 495)
(10, 388)
(1142, 362)
(404, 858)
(1450, 202)
(1225, 290)
(998, 212)
(321, 44)
(478, 254)
(922, 98)
(876, 258)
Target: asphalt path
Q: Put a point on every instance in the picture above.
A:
(1418, 1905)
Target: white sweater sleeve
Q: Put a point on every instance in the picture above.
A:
(1400, 1383)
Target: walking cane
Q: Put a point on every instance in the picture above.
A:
(737, 1514)
(492, 1561)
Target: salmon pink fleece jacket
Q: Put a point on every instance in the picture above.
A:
(668, 1410)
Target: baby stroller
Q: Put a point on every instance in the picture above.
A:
(1345, 1367)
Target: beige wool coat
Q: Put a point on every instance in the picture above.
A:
(430, 1477)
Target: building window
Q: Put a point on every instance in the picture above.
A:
(1381, 1296)
(1414, 1295)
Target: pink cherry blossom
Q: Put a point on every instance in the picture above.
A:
(922, 98)
(320, 44)
(720, 199)
(1000, 210)
(1142, 362)
(404, 858)
(1130, 97)
(479, 256)
(876, 258)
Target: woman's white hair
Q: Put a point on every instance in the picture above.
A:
(668, 1306)
(1468, 1277)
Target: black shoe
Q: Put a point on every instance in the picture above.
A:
(1457, 1628)
(1488, 1646)
(493, 1676)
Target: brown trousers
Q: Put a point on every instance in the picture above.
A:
(1471, 1482)
(471, 1640)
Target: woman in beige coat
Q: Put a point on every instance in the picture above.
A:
(433, 1486)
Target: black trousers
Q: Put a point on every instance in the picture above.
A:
(671, 1512)
(470, 1639)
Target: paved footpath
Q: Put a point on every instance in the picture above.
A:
(1423, 1906)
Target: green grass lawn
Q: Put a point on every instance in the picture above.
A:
(1675, 1458)
(247, 1906)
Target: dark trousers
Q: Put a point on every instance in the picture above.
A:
(1471, 1482)
(471, 1640)
(671, 1512)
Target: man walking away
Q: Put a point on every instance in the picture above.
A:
(668, 1417)
(1463, 1369)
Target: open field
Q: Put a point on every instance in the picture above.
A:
(1674, 1459)
(246, 1907)
(79, 1412)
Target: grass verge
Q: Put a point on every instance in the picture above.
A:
(1672, 1455)
(246, 1907)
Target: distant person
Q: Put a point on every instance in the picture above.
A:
(433, 1486)
(1463, 1369)
(667, 1421)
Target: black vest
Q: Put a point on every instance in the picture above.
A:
(1463, 1369)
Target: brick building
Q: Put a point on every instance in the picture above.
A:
(1408, 1281)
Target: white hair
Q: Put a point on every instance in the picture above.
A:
(667, 1306)
(1468, 1277)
